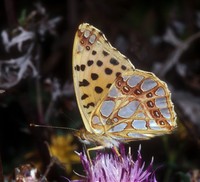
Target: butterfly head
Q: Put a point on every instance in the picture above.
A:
(82, 135)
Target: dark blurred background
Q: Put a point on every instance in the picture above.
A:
(36, 39)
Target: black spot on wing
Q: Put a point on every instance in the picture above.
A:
(77, 68)
(94, 76)
(82, 67)
(108, 85)
(84, 96)
(83, 83)
(91, 104)
(123, 67)
(94, 52)
(99, 63)
(98, 89)
(114, 62)
(108, 71)
(105, 53)
(90, 62)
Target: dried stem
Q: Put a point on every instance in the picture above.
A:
(174, 58)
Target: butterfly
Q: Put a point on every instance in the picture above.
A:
(117, 102)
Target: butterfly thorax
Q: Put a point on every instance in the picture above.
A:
(102, 139)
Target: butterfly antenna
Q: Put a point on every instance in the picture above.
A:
(54, 127)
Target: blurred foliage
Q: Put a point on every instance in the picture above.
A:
(44, 94)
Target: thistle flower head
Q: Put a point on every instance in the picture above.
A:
(111, 167)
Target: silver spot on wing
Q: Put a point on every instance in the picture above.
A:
(165, 112)
(139, 124)
(160, 92)
(134, 80)
(161, 102)
(95, 120)
(86, 33)
(118, 128)
(128, 110)
(113, 92)
(92, 39)
(107, 108)
(79, 48)
(140, 115)
(148, 84)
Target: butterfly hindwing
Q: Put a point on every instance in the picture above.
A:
(137, 106)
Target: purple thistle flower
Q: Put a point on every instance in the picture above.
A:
(112, 168)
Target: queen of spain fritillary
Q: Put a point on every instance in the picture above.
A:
(117, 102)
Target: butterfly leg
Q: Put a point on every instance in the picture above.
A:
(117, 152)
(91, 149)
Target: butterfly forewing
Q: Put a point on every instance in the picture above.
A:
(96, 65)
(137, 106)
